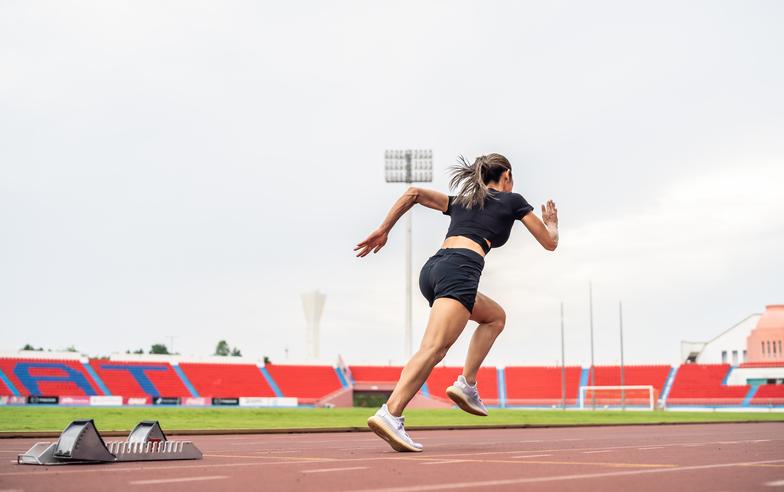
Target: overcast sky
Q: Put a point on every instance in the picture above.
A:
(188, 169)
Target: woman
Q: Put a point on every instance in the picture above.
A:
(482, 214)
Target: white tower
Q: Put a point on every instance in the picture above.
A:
(313, 303)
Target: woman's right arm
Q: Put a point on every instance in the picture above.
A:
(378, 238)
(545, 231)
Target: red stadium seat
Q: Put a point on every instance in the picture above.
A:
(226, 380)
(138, 379)
(307, 383)
(375, 374)
(655, 376)
(769, 394)
(541, 385)
(49, 377)
(701, 384)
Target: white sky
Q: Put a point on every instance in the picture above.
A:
(189, 168)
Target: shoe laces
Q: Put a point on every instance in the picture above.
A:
(399, 423)
(472, 390)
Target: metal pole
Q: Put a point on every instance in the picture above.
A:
(620, 319)
(563, 363)
(408, 166)
(593, 378)
(409, 220)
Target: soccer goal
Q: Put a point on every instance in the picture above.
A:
(606, 397)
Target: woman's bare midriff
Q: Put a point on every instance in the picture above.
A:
(463, 242)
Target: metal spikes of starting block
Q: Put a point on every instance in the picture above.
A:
(81, 442)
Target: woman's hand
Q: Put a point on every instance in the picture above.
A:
(375, 241)
(550, 214)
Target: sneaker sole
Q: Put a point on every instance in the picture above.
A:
(456, 395)
(378, 426)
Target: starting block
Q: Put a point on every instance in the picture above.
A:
(81, 442)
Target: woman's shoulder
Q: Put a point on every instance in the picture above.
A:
(511, 196)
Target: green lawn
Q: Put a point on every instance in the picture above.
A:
(124, 418)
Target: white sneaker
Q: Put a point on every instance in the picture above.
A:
(466, 397)
(390, 428)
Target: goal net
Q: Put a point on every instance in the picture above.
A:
(614, 397)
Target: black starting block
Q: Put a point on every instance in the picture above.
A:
(81, 442)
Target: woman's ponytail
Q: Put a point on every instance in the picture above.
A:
(470, 180)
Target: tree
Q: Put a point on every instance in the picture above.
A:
(222, 348)
(30, 347)
(71, 348)
(159, 348)
(236, 352)
(266, 360)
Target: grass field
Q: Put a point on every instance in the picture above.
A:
(107, 419)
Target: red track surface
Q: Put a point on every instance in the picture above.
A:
(639, 458)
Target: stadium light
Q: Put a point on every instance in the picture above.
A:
(408, 166)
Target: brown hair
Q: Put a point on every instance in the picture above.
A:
(470, 180)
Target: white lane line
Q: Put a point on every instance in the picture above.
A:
(532, 456)
(177, 480)
(516, 481)
(443, 462)
(325, 470)
(777, 483)
(570, 450)
(599, 451)
(652, 447)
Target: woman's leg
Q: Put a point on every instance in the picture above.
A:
(491, 318)
(447, 320)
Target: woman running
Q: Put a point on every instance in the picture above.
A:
(482, 214)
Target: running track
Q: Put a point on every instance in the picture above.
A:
(713, 457)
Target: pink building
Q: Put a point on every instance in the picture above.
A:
(765, 341)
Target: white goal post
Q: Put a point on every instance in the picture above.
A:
(617, 396)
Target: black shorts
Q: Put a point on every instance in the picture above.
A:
(454, 273)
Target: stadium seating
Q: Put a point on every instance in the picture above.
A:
(5, 390)
(226, 380)
(694, 384)
(375, 374)
(655, 376)
(443, 377)
(541, 385)
(769, 394)
(702, 384)
(139, 379)
(49, 377)
(763, 364)
(307, 383)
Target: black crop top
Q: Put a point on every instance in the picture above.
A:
(493, 222)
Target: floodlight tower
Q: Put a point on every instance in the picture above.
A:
(313, 304)
(408, 166)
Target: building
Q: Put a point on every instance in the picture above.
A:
(765, 341)
(728, 347)
(757, 339)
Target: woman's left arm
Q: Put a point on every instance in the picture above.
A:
(428, 198)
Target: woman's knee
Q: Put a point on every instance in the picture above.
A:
(499, 322)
